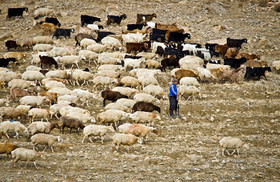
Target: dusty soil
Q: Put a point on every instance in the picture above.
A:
(184, 149)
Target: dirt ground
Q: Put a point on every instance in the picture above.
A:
(185, 149)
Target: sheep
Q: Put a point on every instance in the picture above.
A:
(40, 127)
(124, 139)
(153, 64)
(111, 116)
(145, 106)
(12, 126)
(185, 90)
(32, 100)
(59, 51)
(48, 27)
(221, 49)
(98, 48)
(129, 81)
(54, 109)
(42, 47)
(23, 109)
(117, 106)
(205, 74)
(70, 98)
(110, 67)
(103, 81)
(134, 63)
(189, 81)
(37, 112)
(25, 43)
(219, 66)
(84, 43)
(183, 73)
(25, 155)
(82, 117)
(125, 91)
(232, 75)
(54, 84)
(78, 76)
(231, 143)
(42, 40)
(7, 148)
(88, 55)
(33, 76)
(33, 68)
(67, 109)
(116, 54)
(42, 12)
(111, 42)
(144, 97)
(144, 72)
(7, 76)
(94, 27)
(191, 62)
(83, 95)
(108, 73)
(62, 74)
(19, 83)
(126, 102)
(247, 56)
(47, 61)
(155, 90)
(85, 30)
(60, 91)
(17, 92)
(276, 66)
(132, 37)
(231, 53)
(236, 42)
(137, 47)
(144, 117)
(151, 24)
(36, 58)
(17, 55)
(11, 113)
(96, 130)
(69, 122)
(65, 60)
(108, 60)
(45, 139)
(147, 80)
(111, 96)
(145, 17)
(139, 130)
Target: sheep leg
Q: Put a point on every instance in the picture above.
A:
(120, 148)
(52, 148)
(102, 138)
(113, 148)
(34, 147)
(77, 65)
(16, 135)
(84, 139)
(35, 165)
(15, 162)
(77, 83)
(223, 151)
(26, 163)
(45, 148)
(90, 139)
(7, 135)
(228, 152)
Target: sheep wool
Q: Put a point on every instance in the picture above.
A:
(96, 130)
(44, 139)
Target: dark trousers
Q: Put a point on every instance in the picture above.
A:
(173, 103)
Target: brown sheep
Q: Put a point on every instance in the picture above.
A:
(145, 106)
(69, 122)
(111, 95)
(253, 63)
(183, 73)
(48, 27)
(173, 27)
(248, 56)
(11, 113)
(231, 53)
(135, 46)
(51, 96)
(221, 49)
(7, 148)
(80, 36)
(232, 75)
(17, 92)
(142, 18)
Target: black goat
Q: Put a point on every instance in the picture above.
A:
(256, 72)
(5, 62)
(53, 21)
(135, 26)
(234, 63)
(11, 44)
(86, 19)
(211, 47)
(16, 11)
(168, 62)
(157, 35)
(115, 19)
(132, 57)
(63, 32)
(178, 37)
(236, 42)
(101, 35)
(46, 60)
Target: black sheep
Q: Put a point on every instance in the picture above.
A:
(145, 106)
(16, 11)
(157, 35)
(236, 42)
(168, 62)
(46, 60)
(115, 19)
(63, 32)
(132, 57)
(234, 63)
(11, 44)
(53, 21)
(85, 19)
(111, 95)
(5, 62)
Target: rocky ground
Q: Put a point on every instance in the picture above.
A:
(187, 149)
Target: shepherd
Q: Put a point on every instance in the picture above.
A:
(173, 99)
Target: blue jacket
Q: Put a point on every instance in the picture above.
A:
(173, 90)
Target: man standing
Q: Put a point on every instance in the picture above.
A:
(173, 99)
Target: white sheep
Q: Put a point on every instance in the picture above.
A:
(33, 76)
(54, 84)
(96, 130)
(154, 64)
(59, 51)
(144, 72)
(85, 30)
(42, 47)
(155, 45)
(93, 27)
(144, 117)
(111, 42)
(132, 37)
(147, 80)
(12, 126)
(108, 73)
(98, 48)
(70, 98)
(126, 102)
(7, 76)
(81, 76)
(111, 116)
(66, 60)
(205, 74)
(54, 109)
(204, 52)
(110, 67)
(32, 100)
(44, 139)
(17, 55)
(62, 74)
(117, 106)
(33, 68)
(104, 81)
(217, 66)
(189, 47)
(19, 83)
(42, 40)
(60, 91)
(82, 117)
(39, 113)
(24, 154)
(40, 127)
(108, 60)
(87, 42)
(144, 97)
(88, 55)
(115, 54)
(23, 109)
(151, 24)
(124, 139)
(276, 66)
(36, 59)
(134, 63)
(189, 81)
(191, 62)
(185, 90)
(129, 81)
(84, 96)
(231, 143)
(155, 90)
(42, 12)
(147, 55)
(125, 91)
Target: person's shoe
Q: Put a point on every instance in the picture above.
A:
(171, 115)
(179, 116)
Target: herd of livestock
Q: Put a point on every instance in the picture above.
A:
(121, 68)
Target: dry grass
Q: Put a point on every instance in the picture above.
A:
(263, 3)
